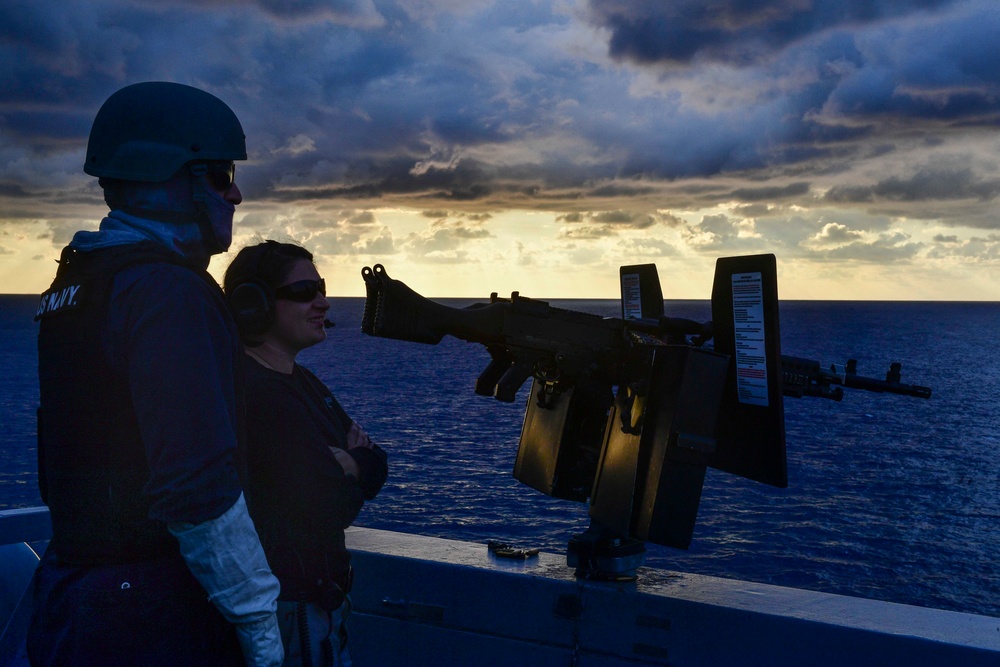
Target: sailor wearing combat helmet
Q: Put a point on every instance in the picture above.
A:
(153, 559)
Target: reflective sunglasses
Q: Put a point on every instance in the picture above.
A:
(302, 291)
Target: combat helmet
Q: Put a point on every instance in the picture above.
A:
(147, 131)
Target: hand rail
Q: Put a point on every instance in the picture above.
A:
(25, 524)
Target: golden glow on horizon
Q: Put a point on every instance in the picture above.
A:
(542, 255)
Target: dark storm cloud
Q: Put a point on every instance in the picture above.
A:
(819, 79)
(947, 70)
(47, 130)
(732, 31)
(624, 218)
(359, 218)
(929, 184)
(306, 9)
(620, 190)
(13, 191)
(607, 223)
(356, 12)
(55, 62)
(474, 107)
(371, 180)
(772, 193)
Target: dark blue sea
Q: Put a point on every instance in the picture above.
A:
(889, 497)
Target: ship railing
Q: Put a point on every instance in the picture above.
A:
(25, 524)
(23, 532)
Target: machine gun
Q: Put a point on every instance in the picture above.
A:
(626, 414)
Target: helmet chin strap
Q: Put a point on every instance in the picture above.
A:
(214, 214)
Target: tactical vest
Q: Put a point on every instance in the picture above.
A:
(91, 461)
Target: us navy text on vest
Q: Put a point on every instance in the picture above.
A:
(57, 299)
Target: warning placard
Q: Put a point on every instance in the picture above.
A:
(631, 296)
(751, 355)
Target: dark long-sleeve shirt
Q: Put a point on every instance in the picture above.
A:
(169, 334)
(300, 498)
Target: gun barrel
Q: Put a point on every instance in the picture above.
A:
(887, 386)
(806, 377)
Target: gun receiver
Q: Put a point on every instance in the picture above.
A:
(525, 337)
(628, 413)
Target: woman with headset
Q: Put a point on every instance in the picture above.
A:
(310, 466)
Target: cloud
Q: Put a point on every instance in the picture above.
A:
(358, 13)
(977, 249)
(929, 183)
(771, 193)
(297, 145)
(355, 13)
(13, 191)
(594, 225)
(889, 248)
(383, 244)
(732, 31)
(647, 248)
(836, 234)
(722, 234)
(624, 218)
(817, 128)
(471, 104)
(585, 233)
(443, 244)
(359, 218)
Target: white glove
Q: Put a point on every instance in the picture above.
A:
(226, 558)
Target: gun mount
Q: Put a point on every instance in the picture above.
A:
(627, 413)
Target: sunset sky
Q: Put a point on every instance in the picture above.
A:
(535, 145)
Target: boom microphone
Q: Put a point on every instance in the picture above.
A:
(329, 324)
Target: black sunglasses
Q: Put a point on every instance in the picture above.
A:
(302, 291)
(220, 174)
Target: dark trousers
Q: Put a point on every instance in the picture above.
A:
(148, 613)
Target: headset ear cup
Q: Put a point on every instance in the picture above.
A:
(252, 305)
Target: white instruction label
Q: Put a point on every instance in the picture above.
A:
(631, 297)
(751, 355)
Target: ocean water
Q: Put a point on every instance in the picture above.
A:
(889, 497)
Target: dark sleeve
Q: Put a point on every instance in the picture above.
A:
(293, 473)
(171, 337)
(372, 462)
(373, 468)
